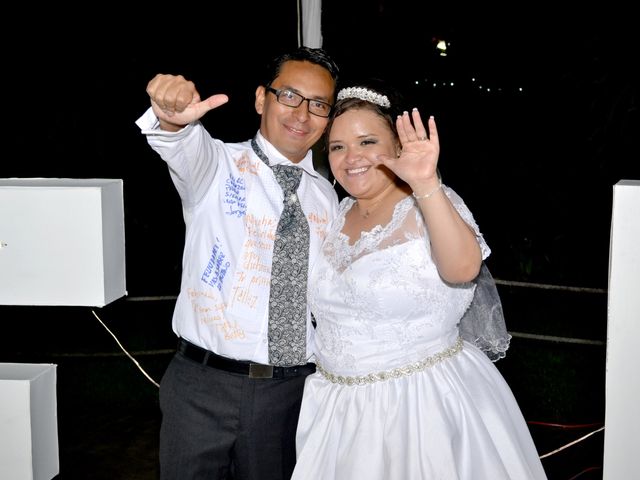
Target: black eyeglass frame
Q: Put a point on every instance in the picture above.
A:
(279, 91)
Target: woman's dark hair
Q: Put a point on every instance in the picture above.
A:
(375, 86)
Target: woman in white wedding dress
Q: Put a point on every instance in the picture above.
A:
(399, 394)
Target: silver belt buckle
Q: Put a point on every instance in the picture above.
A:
(257, 370)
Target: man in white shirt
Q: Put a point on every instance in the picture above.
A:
(225, 409)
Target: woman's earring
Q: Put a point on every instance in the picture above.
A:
(334, 182)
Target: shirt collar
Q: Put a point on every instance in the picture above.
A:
(277, 158)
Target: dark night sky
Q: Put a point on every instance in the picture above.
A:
(536, 167)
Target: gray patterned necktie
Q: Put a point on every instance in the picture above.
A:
(288, 296)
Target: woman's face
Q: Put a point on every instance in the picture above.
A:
(356, 139)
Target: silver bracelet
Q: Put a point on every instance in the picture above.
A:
(427, 195)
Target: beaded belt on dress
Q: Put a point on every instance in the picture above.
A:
(410, 369)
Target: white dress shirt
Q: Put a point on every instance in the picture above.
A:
(231, 204)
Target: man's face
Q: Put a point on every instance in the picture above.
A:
(294, 130)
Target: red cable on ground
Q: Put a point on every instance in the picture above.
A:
(586, 470)
(564, 425)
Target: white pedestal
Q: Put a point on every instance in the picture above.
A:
(622, 422)
(28, 422)
(61, 241)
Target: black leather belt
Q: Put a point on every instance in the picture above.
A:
(252, 370)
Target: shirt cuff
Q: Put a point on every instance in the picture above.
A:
(150, 125)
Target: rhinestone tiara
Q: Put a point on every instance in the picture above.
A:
(364, 94)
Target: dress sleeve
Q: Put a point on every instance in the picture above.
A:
(467, 216)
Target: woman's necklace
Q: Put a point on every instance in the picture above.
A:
(370, 209)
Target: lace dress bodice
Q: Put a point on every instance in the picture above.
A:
(380, 303)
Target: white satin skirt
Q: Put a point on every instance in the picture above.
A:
(455, 420)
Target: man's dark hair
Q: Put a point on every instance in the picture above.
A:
(316, 56)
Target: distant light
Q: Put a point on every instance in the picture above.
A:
(442, 48)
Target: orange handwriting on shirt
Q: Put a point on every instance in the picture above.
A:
(232, 332)
(244, 296)
(244, 164)
(321, 219)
